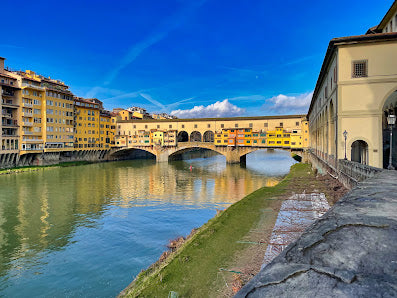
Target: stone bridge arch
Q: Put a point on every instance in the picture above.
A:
(164, 154)
(119, 153)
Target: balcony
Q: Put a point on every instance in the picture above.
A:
(8, 135)
(27, 114)
(11, 123)
(27, 123)
(32, 141)
(9, 103)
(7, 93)
(33, 86)
(27, 105)
(6, 115)
(27, 132)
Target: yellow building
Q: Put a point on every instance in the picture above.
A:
(106, 130)
(58, 109)
(87, 124)
(31, 117)
(157, 138)
(296, 139)
(355, 93)
(221, 138)
(94, 129)
(286, 139)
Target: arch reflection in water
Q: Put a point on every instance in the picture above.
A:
(61, 225)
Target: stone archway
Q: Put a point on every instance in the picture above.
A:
(389, 108)
(208, 136)
(183, 136)
(359, 152)
(195, 136)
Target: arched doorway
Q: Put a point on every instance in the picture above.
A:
(360, 152)
(183, 136)
(390, 107)
(195, 136)
(208, 137)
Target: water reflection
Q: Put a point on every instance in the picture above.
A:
(59, 225)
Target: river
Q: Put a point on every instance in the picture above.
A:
(89, 230)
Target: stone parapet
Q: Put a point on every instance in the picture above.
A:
(349, 252)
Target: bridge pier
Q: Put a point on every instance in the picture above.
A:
(233, 156)
(162, 156)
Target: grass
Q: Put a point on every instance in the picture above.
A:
(192, 271)
(36, 168)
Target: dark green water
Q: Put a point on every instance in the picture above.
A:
(89, 230)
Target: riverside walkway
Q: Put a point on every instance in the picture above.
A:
(349, 252)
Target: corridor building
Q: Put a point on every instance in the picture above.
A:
(355, 92)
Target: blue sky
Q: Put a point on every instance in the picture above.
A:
(193, 58)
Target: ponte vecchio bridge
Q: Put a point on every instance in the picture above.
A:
(232, 137)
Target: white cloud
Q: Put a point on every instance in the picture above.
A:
(284, 103)
(219, 109)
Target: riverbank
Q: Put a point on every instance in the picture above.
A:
(38, 168)
(213, 261)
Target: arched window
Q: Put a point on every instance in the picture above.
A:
(183, 136)
(195, 136)
(208, 136)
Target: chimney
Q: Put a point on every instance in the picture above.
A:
(2, 64)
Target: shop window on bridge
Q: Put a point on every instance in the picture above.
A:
(195, 136)
(183, 136)
(359, 152)
(209, 136)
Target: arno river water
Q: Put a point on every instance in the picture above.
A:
(89, 230)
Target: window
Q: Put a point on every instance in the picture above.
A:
(281, 124)
(360, 69)
(297, 123)
(236, 125)
(335, 74)
(158, 126)
(145, 126)
(195, 126)
(251, 125)
(265, 124)
(326, 92)
(222, 125)
(183, 125)
(134, 126)
(170, 126)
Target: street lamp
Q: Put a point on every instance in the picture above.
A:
(391, 120)
(345, 135)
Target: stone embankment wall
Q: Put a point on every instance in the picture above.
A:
(349, 173)
(49, 158)
(349, 252)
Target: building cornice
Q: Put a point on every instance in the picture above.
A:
(215, 119)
